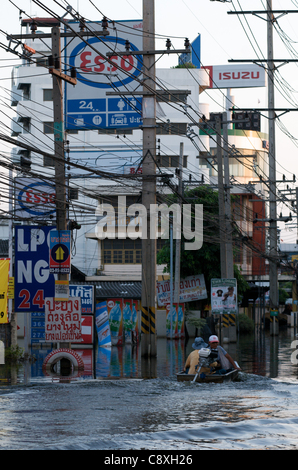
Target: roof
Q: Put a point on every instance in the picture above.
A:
(115, 289)
(125, 290)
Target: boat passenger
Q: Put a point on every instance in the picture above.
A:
(224, 359)
(193, 358)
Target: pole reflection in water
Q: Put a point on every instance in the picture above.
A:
(258, 353)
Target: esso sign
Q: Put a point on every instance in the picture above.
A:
(94, 70)
(35, 199)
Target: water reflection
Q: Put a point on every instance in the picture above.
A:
(259, 354)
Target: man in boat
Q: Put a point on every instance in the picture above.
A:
(223, 358)
(192, 361)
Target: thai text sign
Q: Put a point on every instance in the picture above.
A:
(63, 320)
(191, 288)
(86, 293)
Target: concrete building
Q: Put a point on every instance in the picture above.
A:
(117, 151)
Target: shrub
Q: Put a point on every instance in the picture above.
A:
(246, 325)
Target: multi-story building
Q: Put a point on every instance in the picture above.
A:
(117, 151)
(248, 169)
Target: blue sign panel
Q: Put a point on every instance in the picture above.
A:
(33, 280)
(87, 297)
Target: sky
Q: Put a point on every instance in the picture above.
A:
(223, 36)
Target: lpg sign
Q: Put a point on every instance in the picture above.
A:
(236, 76)
(33, 280)
(34, 198)
(98, 72)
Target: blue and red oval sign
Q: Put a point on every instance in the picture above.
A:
(34, 198)
(94, 70)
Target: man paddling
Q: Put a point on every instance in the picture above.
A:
(223, 358)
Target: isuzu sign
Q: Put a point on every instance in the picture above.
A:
(236, 76)
(87, 106)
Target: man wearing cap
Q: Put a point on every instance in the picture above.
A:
(223, 358)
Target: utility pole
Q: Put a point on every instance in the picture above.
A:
(221, 201)
(58, 136)
(148, 341)
(178, 240)
(270, 18)
(228, 211)
(274, 300)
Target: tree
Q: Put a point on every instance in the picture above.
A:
(206, 260)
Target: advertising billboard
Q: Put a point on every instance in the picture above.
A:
(224, 296)
(34, 198)
(33, 280)
(86, 105)
(236, 76)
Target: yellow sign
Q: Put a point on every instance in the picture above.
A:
(4, 276)
(61, 290)
(11, 288)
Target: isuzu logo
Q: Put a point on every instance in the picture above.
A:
(236, 76)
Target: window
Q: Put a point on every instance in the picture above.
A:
(172, 97)
(41, 62)
(171, 128)
(124, 251)
(26, 121)
(47, 94)
(48, 128)
(171, 161)
(48, 161)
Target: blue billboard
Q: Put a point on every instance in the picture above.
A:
(100, 69)
(33, 280)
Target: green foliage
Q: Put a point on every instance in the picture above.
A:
(246, 325)
(206, 260)
(193, 320)
(186, 65)
(13, 354)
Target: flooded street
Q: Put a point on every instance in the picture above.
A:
(102, 411)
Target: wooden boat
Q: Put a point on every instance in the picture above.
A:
(214, 378)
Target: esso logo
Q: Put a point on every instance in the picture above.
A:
(111, 304)
(38, 199)
(93, 70)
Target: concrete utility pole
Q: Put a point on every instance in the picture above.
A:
(178, 240)
(270, 18)
(228, 210)
(148, 341)
(221, 201)
(59, 136)
(274, 299)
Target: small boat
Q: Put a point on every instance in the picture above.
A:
(214, 378)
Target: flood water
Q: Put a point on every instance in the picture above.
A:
(115, 405)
